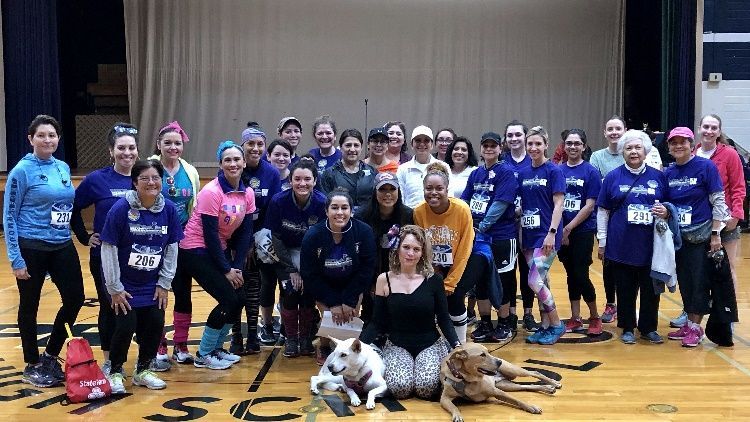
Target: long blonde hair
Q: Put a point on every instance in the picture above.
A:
(424, 266)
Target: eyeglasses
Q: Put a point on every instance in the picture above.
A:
(172, 189)
(514, 135)
(123, 129)
(378, 140)
(149, 178)
(445, 140)
(573, 143)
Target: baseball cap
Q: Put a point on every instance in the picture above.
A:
(681, 131)
(286, 120)
(377, 131)
(385, 178)
(422, 130)
(490, 136)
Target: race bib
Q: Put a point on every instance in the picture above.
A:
(640, 214)
(144, 261)
(572, 205)
(442, 255)
(530, 221)
(685, 216)
(60, 218)
(478, 204)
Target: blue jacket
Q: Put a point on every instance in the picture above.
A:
(359, 243)
(36, 191)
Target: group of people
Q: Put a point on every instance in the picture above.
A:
(399, 240)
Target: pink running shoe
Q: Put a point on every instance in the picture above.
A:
(610, 313)
(680, 334)
(694, 336)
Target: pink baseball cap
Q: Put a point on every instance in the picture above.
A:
(681, 131)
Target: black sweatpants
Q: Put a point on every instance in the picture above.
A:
(527, 295)
(64, 267)
(212, 280)
(630, 280)
(146, 323)
(182, 285)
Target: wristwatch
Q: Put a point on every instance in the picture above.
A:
(553, 230)
(715, 233)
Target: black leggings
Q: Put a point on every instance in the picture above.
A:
(146, 323)
(64, 267)
(211, 279)
(106, 320)
(610, 283)
(268, 282)
(476, 268)
(182, 285)
(576, 258)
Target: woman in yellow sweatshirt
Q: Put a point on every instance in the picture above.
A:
(448, 224)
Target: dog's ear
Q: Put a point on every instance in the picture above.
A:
(458, 357)
(356, 346)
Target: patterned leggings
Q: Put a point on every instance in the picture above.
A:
(405, 375)
(538, 271)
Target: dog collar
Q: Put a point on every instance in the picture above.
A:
(358, 385)
(454, 371)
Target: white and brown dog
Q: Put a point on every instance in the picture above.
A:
(472, 373)
(354, 368)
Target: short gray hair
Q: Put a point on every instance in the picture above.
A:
(634, 135)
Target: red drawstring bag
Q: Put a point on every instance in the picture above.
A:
(84, 380)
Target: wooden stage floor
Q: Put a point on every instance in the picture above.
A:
(602, 379)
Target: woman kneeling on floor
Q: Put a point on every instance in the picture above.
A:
(408, 298)
(139, 261)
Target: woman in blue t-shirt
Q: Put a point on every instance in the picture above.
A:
(36, 212)
(542, 191)
(337, 262)
(263, 179)
(324, 133)
(102, 188)
(490, 193)
(180, 184)
(696, 191)
(139, 259)
(628, 200)
(290, 215)
(582, 185)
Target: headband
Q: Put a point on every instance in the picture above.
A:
(225, 145)
(177, 128)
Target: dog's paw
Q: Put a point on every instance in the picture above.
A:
(549, 389)
(536, 410)
(557, 384)
(458, 418)
(355, 401)
(315, 391)
(370, 404)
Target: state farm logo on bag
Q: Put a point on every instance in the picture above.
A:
(84, 380)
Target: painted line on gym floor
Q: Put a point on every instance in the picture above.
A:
(255, 385)
(15, 308)
(731, 361)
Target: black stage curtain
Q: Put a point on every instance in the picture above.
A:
(32, 80)
(678, 75)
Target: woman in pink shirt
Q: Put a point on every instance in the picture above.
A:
(219, 220)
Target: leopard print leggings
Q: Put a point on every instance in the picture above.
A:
(405, 375)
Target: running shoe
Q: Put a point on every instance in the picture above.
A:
(627, 337)
(39, 376)
(117, 383)
(227, 356)
(181, 354)
(148, 379)
(210, 361)
(52, 363)
(610, 313)
(679, 321)
(595, 327)
(291, 347)
(552, 334)
(483, 332)
(529, 324)
(574, 325)
(653, 337)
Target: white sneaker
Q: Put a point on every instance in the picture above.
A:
(117, 382)
(182, 355)
(160, 365)
(210, 361)
(148, 378)
(227, 356)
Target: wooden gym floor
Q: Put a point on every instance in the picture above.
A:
(602, 379)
